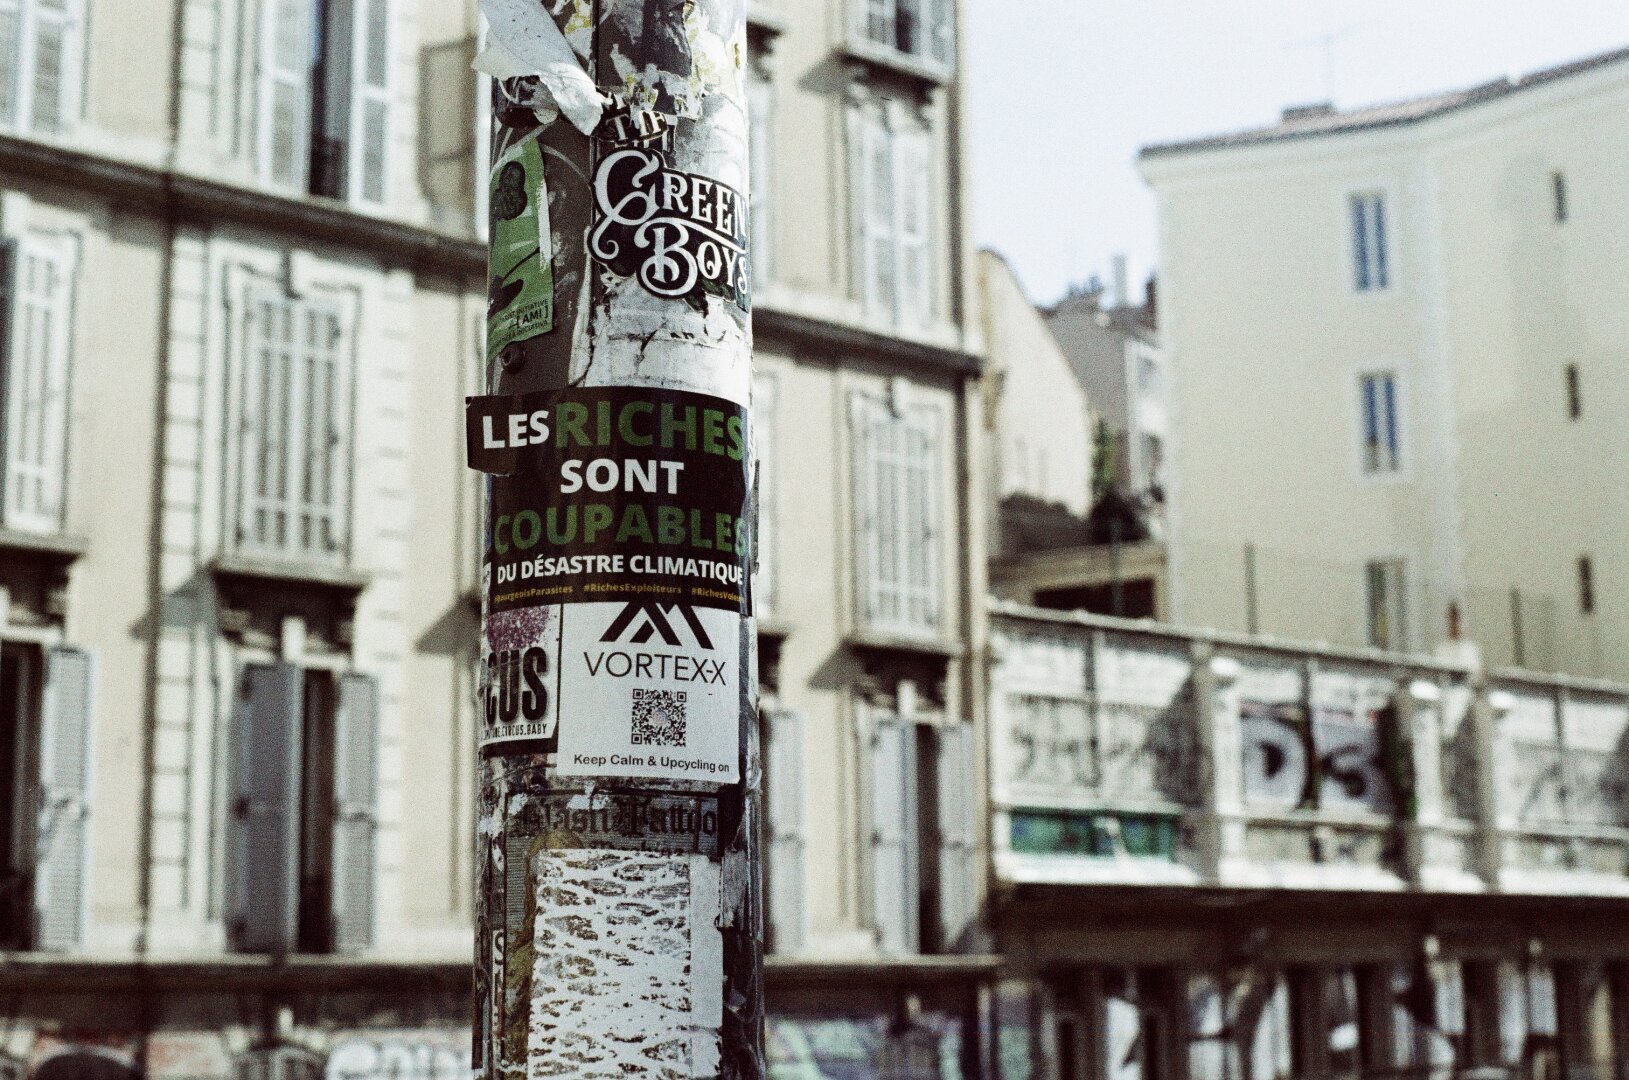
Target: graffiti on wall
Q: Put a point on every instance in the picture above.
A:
(1348, 755)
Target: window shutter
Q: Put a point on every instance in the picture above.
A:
(62, 848)
(36, 385)
(370, 102)
(877, 197)
(51, 75)
(911, 171)
(958, 833)
(894, 879)
(356, 820)
(761, 103)
(11, 60)
(285, 93)
(783, 791)
(922, 539)
(866, 498)
(941, 31)
(263, 835)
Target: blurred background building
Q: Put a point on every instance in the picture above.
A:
(1397, 332)
(242, 298)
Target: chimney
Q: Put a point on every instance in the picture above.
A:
(1121, 295)
(1316, 111)
(1151, 291)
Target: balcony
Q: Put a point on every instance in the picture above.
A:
(1127, 754)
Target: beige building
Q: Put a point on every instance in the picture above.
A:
(1054, 542)
(1396, 334)
(243, 300)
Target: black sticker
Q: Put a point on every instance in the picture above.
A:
(683, 235)
(614, 494)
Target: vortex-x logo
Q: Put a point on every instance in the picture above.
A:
(639, 621)
(681, 234)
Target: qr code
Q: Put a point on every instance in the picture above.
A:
(658, 717)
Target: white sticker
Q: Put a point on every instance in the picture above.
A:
(650, 688)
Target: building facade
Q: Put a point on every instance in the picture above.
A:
(244, 293)
(1393, 333)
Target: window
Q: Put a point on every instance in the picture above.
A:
(1558, 191)
(916, 28)
(1378, 394)
(783, 797)
(39, 50)
(301, 838)
(893, 191)
(761, 127)
(923, 833)
(1586, 585)
(1369, 250)
(897, 454)
(36, 301)
(325, 97)
(295, 429)
(1575, 395)
(45, 715)
(1385, 582)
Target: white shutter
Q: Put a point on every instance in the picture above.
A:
(761, 186)
(958, 833)
(895, 881)
(36, 384)
(368, 167)
(877, 196)
(285, 93)
(295, 429)
(920, 538)
(913, 208)
(941, 30)
(765, 510)
(356, 821)
(263, 834)
(62, 849)
(783, 795)
(866, 498)
(877, 21)
(51, 75)
(11, 61)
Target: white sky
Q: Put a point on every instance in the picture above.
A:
(1062, 94)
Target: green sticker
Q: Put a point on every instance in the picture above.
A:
(520, 292)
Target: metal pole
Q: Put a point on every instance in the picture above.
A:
(1252, 613)
(618, 923)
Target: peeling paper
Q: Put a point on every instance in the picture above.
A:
(525, 41)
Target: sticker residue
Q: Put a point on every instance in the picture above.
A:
(625, 982)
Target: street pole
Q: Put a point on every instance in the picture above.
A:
(618, 922)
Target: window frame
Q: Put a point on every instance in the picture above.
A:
(873, 549)
(1369, 225)
(28, 16)
(885, 134)
(246, 435)
(1394, 571)
(875, 24)
(1380, 459)
(60, 251)
(342, 67)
